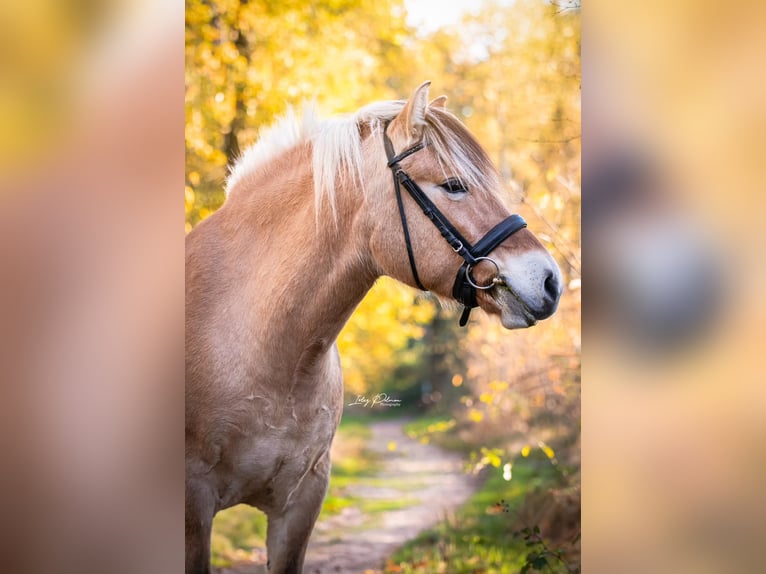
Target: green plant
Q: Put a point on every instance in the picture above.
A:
(540, 557)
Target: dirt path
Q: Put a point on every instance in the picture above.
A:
(352, 542)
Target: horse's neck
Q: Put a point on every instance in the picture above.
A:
(300, 281)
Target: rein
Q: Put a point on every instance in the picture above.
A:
(465, 287)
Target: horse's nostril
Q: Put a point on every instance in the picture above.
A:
(551, 286)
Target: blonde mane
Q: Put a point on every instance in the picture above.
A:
(337, 148)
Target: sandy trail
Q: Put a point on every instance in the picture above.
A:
(354, 543)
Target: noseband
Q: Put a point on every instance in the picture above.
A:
(465, 287)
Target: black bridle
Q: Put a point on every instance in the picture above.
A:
(464, 289)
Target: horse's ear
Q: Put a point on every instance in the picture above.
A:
(439, 103)
(412, 119)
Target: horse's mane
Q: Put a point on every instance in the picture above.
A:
(337, 147)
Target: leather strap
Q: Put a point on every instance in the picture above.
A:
(498, 234)
(392, 162)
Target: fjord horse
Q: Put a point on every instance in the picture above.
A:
(311, 220)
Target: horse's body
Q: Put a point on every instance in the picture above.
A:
(273, 276)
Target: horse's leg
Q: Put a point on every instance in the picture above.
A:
(289, 532)
(200, 509)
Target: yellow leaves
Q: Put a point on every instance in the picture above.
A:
(492, 399)
(492, 456)
(498, 386)
(441, 426)
(489, 457)
(423, 313)
(218, 157)
(424, 435)
(229, 52)
(475, 415)
(189, 205)
(377, 337)
(547, 450)
(525, 451)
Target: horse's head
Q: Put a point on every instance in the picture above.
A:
(515, 277)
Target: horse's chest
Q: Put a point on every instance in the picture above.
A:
(263, 468)
(281, 438)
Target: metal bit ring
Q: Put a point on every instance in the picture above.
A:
(482, 287)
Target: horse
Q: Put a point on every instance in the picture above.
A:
(310, 221)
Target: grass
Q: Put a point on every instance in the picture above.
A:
(438, 429)
(236, 531)
(479, 537)
(430, 427)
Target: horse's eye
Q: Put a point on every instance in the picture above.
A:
(453, 185)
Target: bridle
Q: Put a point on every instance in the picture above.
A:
(465, 287)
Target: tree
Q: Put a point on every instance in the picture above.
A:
(248, 60)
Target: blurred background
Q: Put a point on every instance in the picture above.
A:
(673, 395)
(91, 286)
(511, 71)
